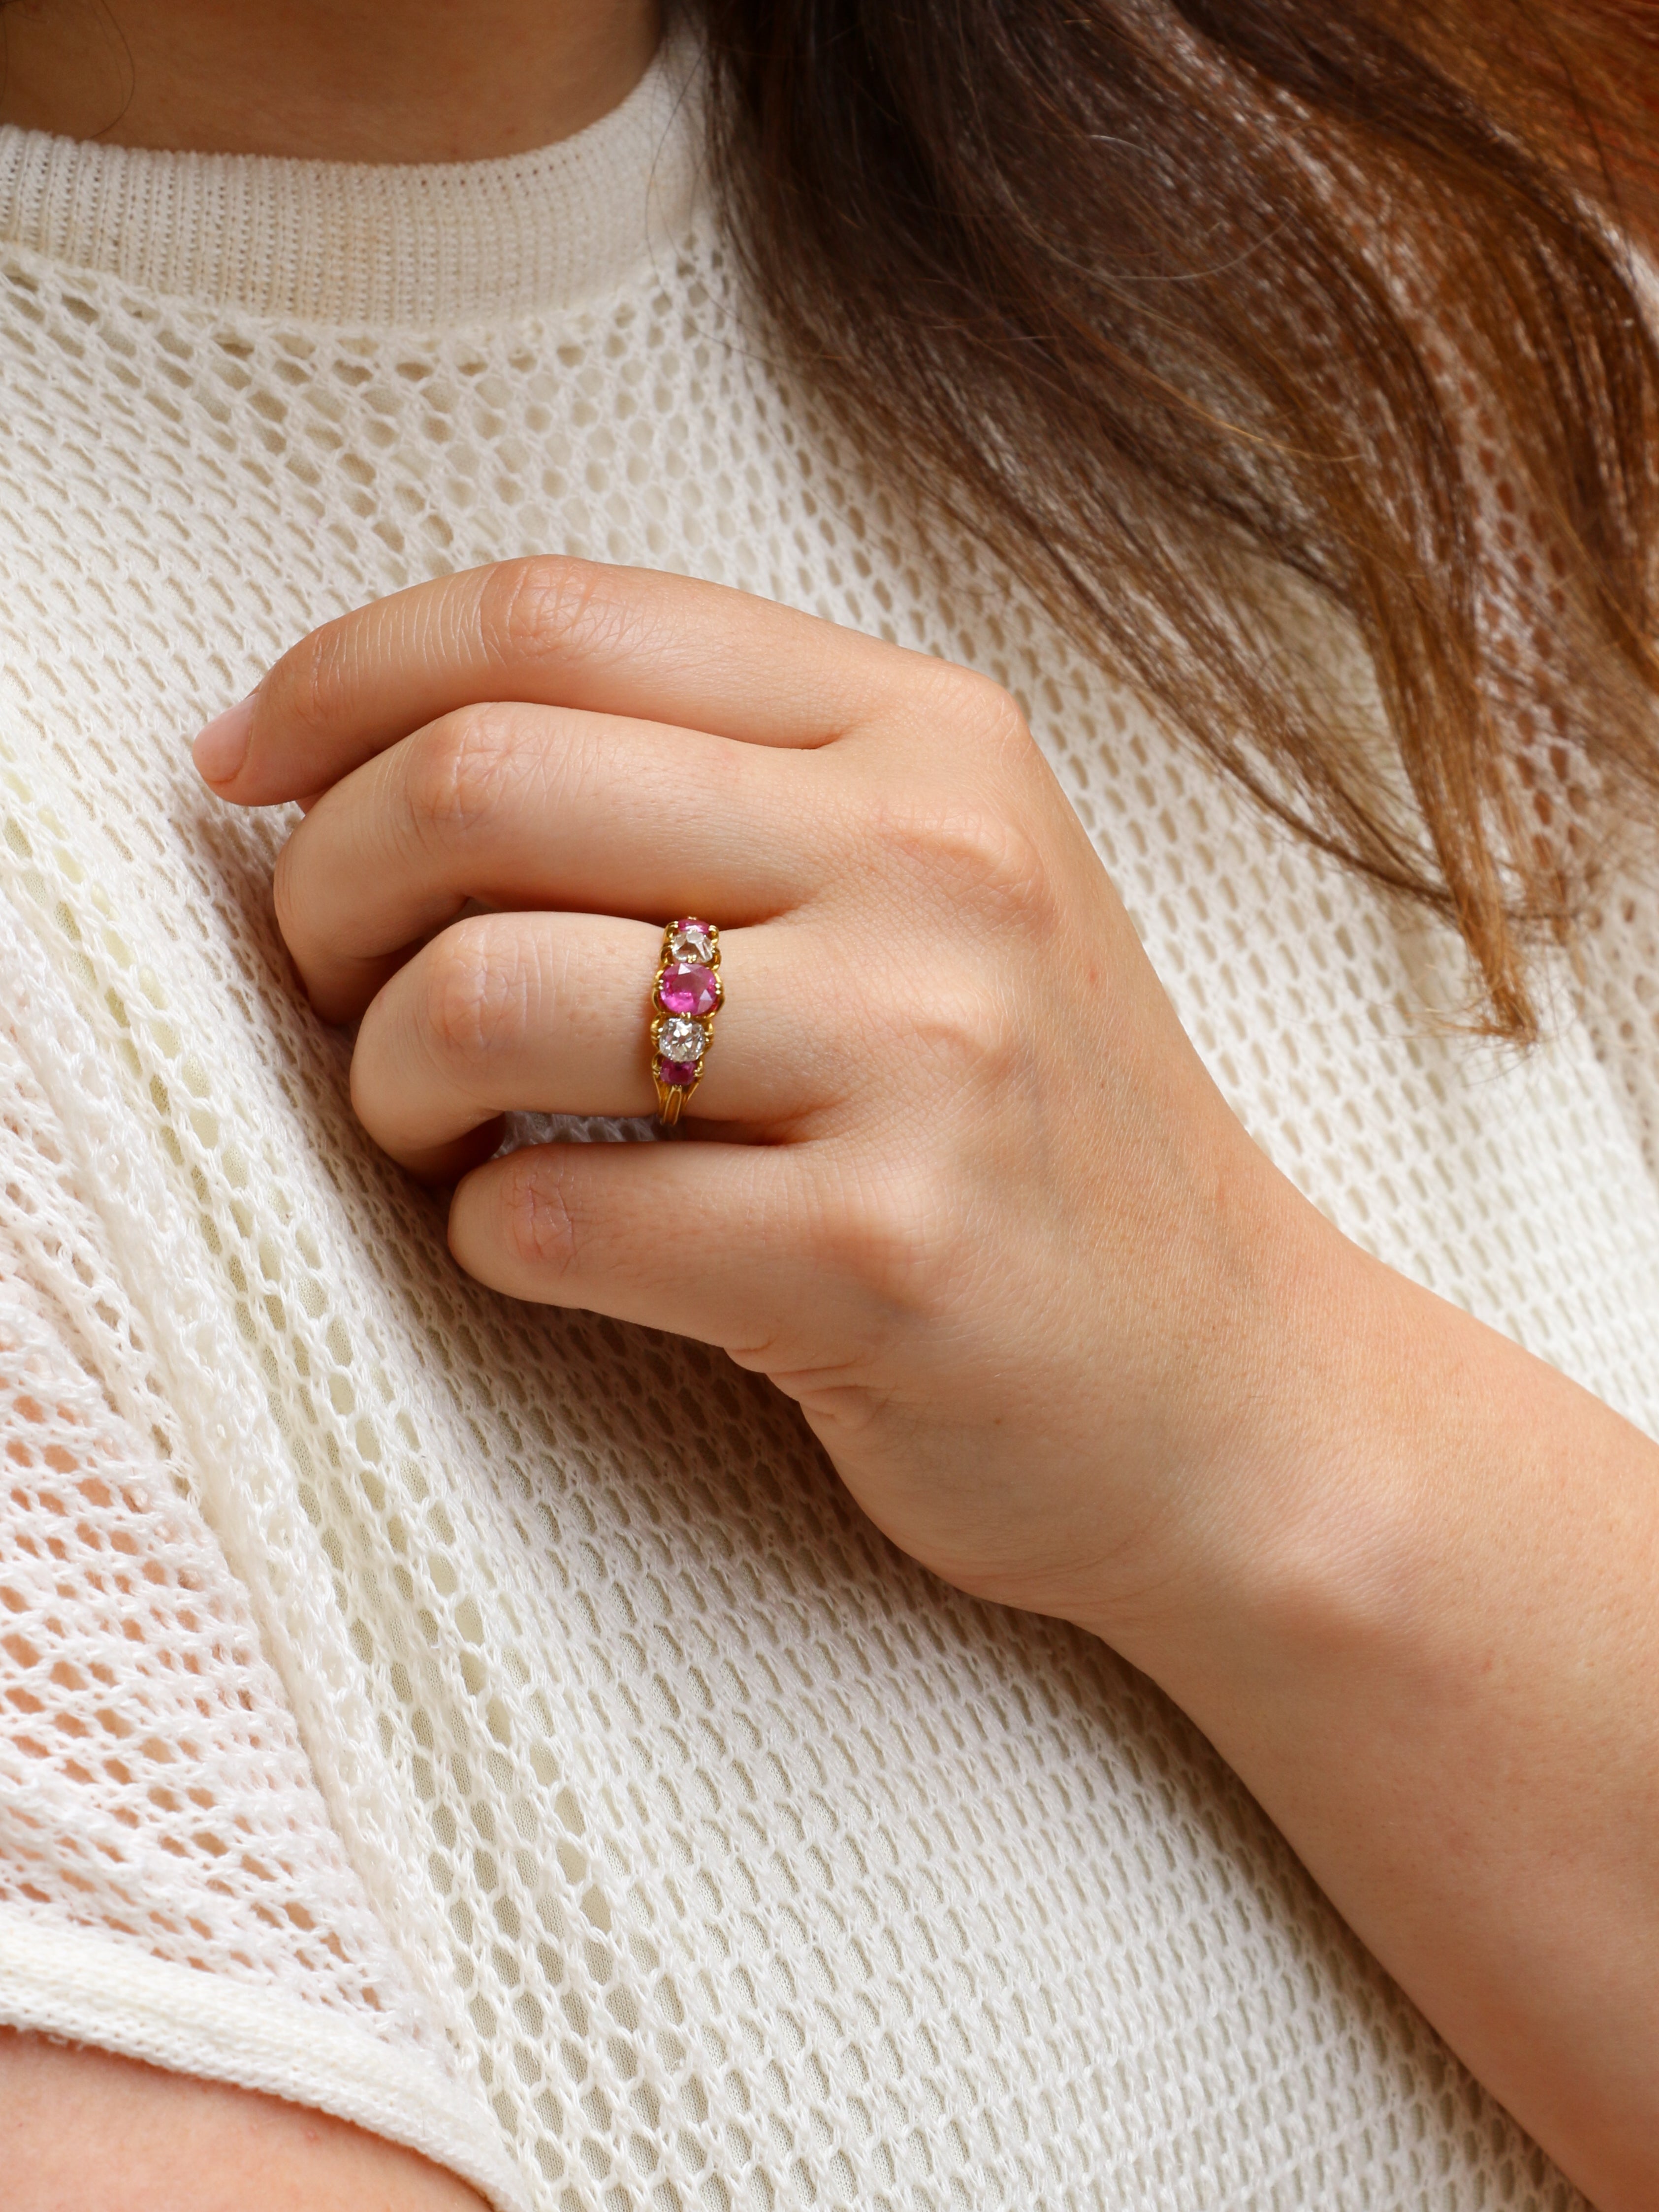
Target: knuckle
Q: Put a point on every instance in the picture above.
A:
(977, 856)
(310, 685)
(458, 772)
(474, 994)
(1002, 727)
(548, 607)
(956, 1026)
(286, 896)
(896, 1236)
(965, 1033)
(976, 705)
(538, 1223)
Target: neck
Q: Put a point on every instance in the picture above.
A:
(381, 80)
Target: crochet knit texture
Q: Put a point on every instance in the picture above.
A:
(495, 1725)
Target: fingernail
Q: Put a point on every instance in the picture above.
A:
(221, 748)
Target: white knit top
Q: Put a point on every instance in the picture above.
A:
(494, 1725)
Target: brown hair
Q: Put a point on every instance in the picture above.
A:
(1164, 300)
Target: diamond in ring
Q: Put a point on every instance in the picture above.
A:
(682, 1039)
(691, 939)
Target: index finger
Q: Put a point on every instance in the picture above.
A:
(546, 631)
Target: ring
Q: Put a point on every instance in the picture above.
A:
(686, 994)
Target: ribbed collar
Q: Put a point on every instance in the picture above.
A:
(422, 247)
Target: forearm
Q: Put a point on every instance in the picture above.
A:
(1426, 1634)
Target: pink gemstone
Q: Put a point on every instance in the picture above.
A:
(686, 989)
(678, 1073)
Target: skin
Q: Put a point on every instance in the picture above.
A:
(82, 2131)
(323, 80)
(1069, 1338)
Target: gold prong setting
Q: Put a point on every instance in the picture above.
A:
(686, 994)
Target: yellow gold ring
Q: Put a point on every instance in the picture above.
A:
(686, 994)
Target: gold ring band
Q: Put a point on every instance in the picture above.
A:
(686, 994)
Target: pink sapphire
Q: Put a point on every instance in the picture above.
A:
(678, 1073)
(687, 989)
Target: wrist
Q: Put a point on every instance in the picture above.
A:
(1295, 1517)
(1412, 1609)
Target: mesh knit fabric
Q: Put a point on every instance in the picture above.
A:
(495, 1724)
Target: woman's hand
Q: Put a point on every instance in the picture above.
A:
(971, 1197)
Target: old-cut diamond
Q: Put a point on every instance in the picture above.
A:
(686, 989)
(681, 1040)
(691, 939)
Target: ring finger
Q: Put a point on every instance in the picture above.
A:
(534, 806)
(550, 1013)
